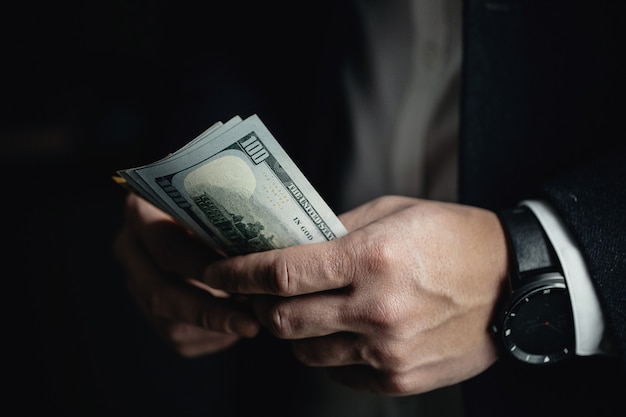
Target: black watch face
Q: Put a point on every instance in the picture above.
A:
(539, 328)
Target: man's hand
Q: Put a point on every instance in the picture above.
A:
(163, 264)
(401, 305)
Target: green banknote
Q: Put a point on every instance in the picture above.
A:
(236, 188)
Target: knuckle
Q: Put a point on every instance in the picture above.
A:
(306, 356)
(396, 383)
(382, 257)
(376, 254)
(279, 321)
(384, 314)
(281, 280)
(385, 356)
(394, 368)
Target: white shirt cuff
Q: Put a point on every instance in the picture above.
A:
(588, 319)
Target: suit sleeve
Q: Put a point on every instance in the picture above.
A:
(592, 203)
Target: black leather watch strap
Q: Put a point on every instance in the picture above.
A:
(530, 250)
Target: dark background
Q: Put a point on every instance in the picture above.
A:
(92, 87)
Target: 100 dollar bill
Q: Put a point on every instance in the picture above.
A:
(236, 188)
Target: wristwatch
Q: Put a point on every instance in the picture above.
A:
(536, 325)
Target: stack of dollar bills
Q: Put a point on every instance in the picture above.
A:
(237, 189)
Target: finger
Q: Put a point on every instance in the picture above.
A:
(348, 348)
(305, 316)
(168, 297)
(192, 341)
(353, 362)
(390, 383)
(365, 378)
(286, 272)
(337, 349)
(171, 245)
